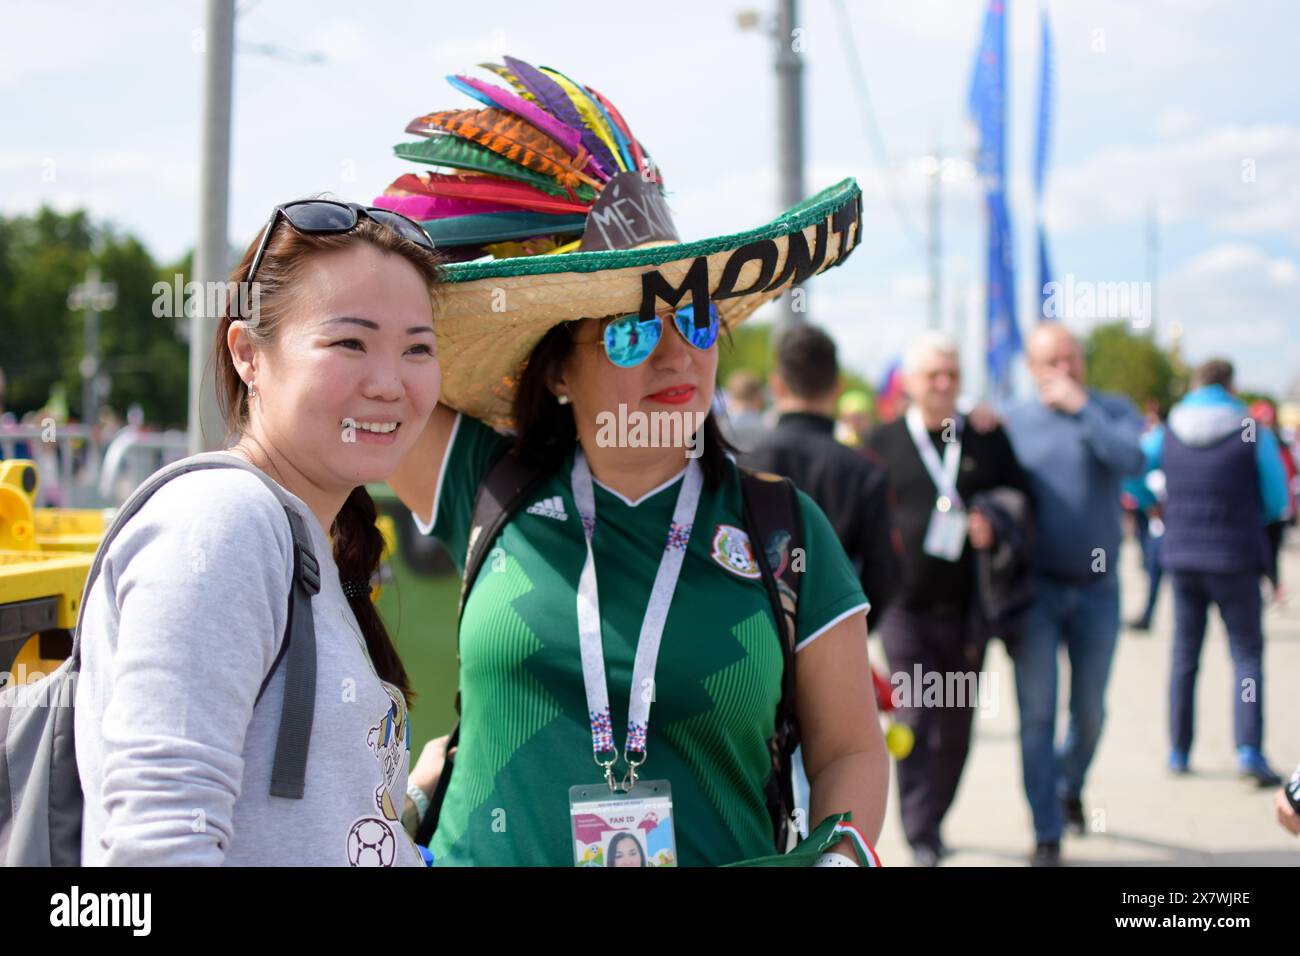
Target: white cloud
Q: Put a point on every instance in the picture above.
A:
(1239, 179)
(28, 56)
(1176, 121)
(342, 43)
(108, 183)
(20, 160)
(870, 322)
(1236, 300)
(1119, 46)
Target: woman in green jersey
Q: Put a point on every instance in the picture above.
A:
(620, 614)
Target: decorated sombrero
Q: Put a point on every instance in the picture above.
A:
(551, 210)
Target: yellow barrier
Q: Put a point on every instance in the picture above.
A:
(45, 556)
(44, 560)
(71, 529)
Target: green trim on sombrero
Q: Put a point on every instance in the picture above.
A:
(809, 212)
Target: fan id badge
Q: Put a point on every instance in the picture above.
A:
(946, 535)
(623, 828)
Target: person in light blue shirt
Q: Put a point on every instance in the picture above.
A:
(1076, 445)
(1224, 481)
(1147, 495)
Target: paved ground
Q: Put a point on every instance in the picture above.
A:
(1139, 814)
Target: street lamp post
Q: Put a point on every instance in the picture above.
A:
(789, 132)
(94, 297)
(789, 123)
(212, 253)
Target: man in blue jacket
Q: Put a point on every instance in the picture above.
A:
(1224, 482)
(1076, 445)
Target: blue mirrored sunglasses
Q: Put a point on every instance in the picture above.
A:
(629, 339)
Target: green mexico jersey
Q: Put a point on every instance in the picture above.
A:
(525, 735)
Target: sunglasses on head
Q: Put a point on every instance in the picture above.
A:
(325, 216)
(630, 339)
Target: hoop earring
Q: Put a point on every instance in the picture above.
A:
(252, 390)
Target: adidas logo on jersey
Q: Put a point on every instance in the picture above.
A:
(549, 508)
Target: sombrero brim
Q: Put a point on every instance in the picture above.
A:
(489, 316)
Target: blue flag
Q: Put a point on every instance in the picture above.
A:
(1040, 164)
(988, 109)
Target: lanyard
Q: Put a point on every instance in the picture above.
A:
(944, 476)
(652, 625)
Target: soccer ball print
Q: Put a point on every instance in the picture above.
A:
(371, 843)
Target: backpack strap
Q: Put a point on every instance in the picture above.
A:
(299, 645)
(775, 526)
(289, 770)
(508, 483)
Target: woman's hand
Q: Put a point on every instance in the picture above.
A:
(428, 768)
(425, 775)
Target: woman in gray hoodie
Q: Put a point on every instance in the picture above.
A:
(326, 379)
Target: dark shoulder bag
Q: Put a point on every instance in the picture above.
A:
(508, 484)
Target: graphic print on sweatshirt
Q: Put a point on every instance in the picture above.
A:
(390, 741)
(374, 840)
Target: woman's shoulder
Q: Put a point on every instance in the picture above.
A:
(210, 555)
(473, 431)
(810, 516)
(224, 509)
(234, 494)
(472, 449)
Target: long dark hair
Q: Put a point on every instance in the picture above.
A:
(546, 431)
(357, 541)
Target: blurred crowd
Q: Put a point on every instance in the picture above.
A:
(968, 523)
(86, 464)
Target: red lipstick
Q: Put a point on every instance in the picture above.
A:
(676, 395)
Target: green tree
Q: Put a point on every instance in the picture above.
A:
(747, 347)
(750, 347)
(143, 354)
(42, 257)
(1133, 365)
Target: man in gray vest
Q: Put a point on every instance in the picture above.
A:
(1224, 482)
(1076, 445)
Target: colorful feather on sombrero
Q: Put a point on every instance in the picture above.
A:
(518, 173)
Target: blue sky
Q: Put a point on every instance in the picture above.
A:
(1186, 107)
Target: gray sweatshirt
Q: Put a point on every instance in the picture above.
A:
(180, 629)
